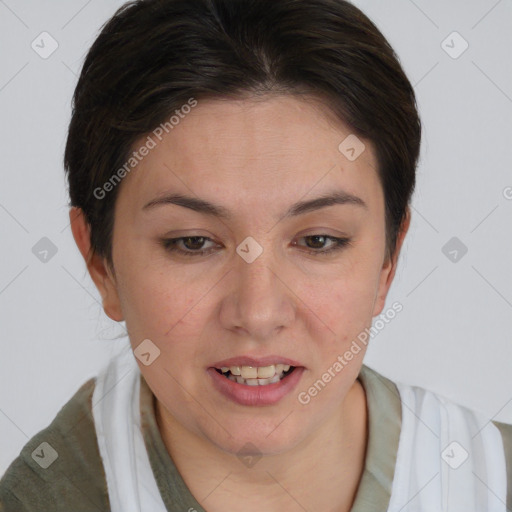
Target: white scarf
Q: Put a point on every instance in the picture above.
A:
(449, 459)
(116, 409)
(423, 481)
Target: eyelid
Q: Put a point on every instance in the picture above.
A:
(170, 244)
(339, 244)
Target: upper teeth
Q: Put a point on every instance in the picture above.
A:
(257, 372)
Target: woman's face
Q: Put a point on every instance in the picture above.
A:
(264, 292)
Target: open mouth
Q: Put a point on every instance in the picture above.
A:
(256, 376)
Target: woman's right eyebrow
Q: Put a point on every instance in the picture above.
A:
(193, 203)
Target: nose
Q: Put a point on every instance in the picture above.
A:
(259, 302)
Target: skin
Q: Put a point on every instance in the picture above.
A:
(255, 158)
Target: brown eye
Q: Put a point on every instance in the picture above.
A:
(193, 242)
(317, 243)
(193, 245)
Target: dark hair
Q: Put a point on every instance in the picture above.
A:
(153, 56)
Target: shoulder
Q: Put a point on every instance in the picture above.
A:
(60, 468)
(449, 420)
(435, 421)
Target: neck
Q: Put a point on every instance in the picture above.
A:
(321, 473)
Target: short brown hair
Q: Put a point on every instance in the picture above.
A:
(152, 56)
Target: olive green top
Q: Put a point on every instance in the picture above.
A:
(76, 478)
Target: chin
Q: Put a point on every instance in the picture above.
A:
(257, 437)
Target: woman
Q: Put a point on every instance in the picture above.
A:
(240, 175)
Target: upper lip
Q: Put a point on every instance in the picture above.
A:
(254, 361)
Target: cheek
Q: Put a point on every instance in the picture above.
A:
(158, 303)
(344, 302)
(346, 308)
(167, 312)
(153, 295)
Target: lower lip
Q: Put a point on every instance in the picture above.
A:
(256, 395)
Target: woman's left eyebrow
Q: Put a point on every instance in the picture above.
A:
(337, 197)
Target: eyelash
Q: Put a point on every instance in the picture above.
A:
(169, 245)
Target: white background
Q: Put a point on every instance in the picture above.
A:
(455, 331)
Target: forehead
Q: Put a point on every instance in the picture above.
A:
(252, 151)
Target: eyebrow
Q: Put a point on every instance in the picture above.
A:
(218, 211)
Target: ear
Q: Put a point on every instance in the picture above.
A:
(387, 273)
(97, 267)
